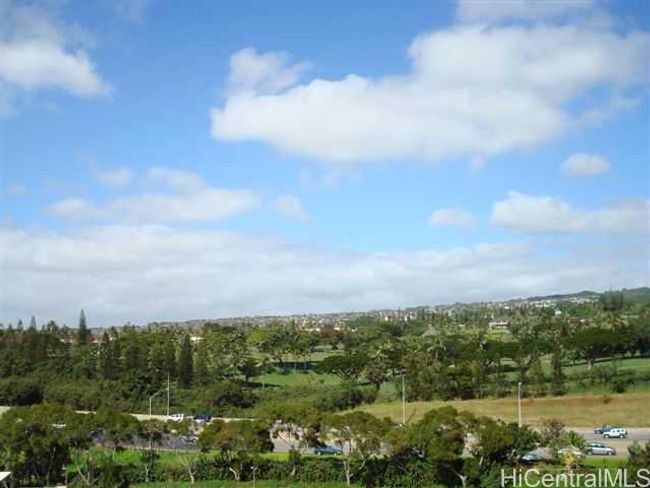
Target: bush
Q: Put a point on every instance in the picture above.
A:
(20, 391)
(229, 394)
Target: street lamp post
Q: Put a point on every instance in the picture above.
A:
(150, 400)
(519, 403)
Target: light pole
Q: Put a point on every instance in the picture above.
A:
(167, 395)
(150, 400)
(519, 403)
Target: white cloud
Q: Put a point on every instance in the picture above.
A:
(471, 92)
(544, 214)
(290, 207)
(75, 209)
(581, 164)
(118, 177)
(498, 10)
(451, 217)
(187, 198)
(15, 189)
(38, 52)
(208, 204)
(132, 10)
(174, 179)
(270, 72)
(145, 273)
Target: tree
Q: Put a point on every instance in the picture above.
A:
(105, 357)
(36, 442)
(185, 362)
(201, 371)
(440, 438)
(230, 394)
(358, 435)
(293, 423)
(83, 333)
(117, 428)
(239, 443)
(639, 459)
(348, 367)
(151, 431)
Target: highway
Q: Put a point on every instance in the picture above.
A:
(284, 444)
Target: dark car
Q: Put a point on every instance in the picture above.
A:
(327, 451)
(602, 429)
(202, 417)
(531, 458)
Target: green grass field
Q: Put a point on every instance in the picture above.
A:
(629, 409)
(297, 378)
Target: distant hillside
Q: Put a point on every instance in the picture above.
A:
(630, 295)
(557, 296)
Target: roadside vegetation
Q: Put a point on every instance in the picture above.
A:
(459, 368)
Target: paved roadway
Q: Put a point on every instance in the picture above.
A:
(284, 444)
(639, 434)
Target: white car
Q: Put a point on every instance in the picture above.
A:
(176, 417)
(615, 432)
(598, 448)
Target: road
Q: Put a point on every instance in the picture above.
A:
(284, 444)
(639, 434)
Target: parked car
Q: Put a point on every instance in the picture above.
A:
(602, 429)
(176, 417)
(189, 439)
(615, 432)
(325, 450)
(571, 450)
(530, 458)
(202, 417)
(598, 448)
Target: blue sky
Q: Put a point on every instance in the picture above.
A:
(160, 162)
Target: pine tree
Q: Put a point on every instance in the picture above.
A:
(185, 363)
(83, 334)
(32, 323)
(201, 371)
(105, 359)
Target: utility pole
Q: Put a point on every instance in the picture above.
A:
(167, 395)
(519, 403)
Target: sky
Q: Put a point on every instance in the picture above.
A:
(166, 161)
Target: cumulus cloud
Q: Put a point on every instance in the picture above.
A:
(544, 214)
(451, 217)
(117, 178)
(269, 72)
(179, 196)
(471, 92)
(39, 52)
(290, 207)
(207, 204)
(581, 164)
(145, 273)
(174, 179)
(75, 209)
(495, 10)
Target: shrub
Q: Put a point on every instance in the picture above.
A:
(20, 391)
